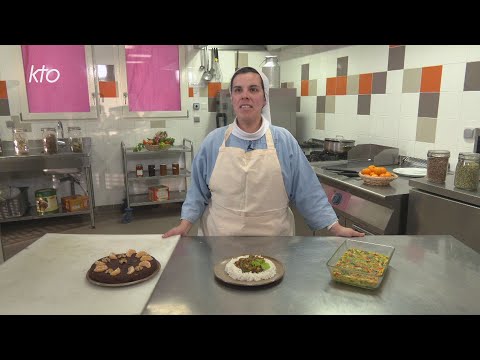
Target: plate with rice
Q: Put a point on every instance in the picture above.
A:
(249, 270)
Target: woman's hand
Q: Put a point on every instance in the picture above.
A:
(182, 229)
(339, 230)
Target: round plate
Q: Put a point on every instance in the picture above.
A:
(411, 172)
(124, 284)
(222, 275)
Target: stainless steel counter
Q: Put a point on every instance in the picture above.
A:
(427, 275)
(447, 190)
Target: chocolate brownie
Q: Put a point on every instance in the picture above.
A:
(123, 268)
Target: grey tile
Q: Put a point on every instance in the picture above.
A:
(242, 59)
(472, 76)
(364, 102)
(352, 84)
(396, 58)
(212, 105)
(158, 124)
(290, 85)
(203, 91)
(320, 122)
(428, 105)
(312, 88)
(320, 104)
(342, 66)
(298, 103)
(330, 104)
(426, 129)
(283, 85)
(411, 80)
(379, 82)
(106, 72)
(305, 71)
(4, 107)
(9, 124)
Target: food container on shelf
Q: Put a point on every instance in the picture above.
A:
(20, 141)
(50, 145)
(75, 139)
(360, 263)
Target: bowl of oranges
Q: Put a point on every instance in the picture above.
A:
(377, 176)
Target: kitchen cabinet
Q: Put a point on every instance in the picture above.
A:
(34, 171)
(137, 187)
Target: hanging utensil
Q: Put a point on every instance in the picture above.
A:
(218, 71)
(202, 59)
(207, 75)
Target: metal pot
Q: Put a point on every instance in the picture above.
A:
(337, 145)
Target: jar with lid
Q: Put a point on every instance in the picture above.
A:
(467, 172)
(139, 170)
(49, 136)
(20, 141)
(271, 69)
(75, 139)
(437, 165)
(176, 169)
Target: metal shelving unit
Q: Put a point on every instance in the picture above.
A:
(136, 193)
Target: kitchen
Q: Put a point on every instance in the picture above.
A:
(383, 95)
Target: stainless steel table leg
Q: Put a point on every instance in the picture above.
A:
(88, 176)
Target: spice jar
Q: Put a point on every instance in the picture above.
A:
(467, 172)
(49, 140)
(20, 141)
(75, 139)
(151, 170)
(139, 170)
(437, 165)
(163, 169)
(175, 169)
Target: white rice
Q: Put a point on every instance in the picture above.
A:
(236, 273)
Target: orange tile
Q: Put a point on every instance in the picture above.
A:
(365, 84)
(190, 91)
(331, 86)
(341, 85)
(431, 79)
(304, 88)
(108, 89)
(214, 88)
(3, 90)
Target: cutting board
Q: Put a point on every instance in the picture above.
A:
(49, 276)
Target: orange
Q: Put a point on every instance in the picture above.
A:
(366, 171)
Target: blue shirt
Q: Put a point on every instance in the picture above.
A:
(301, 183)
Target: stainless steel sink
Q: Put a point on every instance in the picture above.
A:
(38, 160)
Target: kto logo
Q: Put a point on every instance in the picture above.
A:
(51, 78)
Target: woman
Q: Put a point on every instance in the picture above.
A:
(246, 174)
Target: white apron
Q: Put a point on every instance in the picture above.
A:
(248, 194)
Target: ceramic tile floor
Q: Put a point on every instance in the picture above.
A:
(15, 236)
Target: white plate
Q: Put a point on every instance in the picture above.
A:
(412, 172)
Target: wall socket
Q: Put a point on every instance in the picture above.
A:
(196, 106)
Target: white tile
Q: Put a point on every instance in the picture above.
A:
(346, 104)
(406, 147)
(449, 105)
(407, 128)
(394, 82)
(470, 108)
(431, 55)
(446, 132)
(409, 104)
(308, 104)
(329, 124)
(453, 77)
(322, 86)
(378, 104)
(394, 105)
(421, 149)
(367, 59)
(364, 139)
(473, 53)
(362, 125)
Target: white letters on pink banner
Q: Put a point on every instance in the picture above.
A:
(43, 70)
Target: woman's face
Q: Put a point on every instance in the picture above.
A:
(248, 98)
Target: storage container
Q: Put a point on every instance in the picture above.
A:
(75, 139)
(467, 172)
(20, 142)
(50, 145)
(46, 200)
(13, 205)
(437, 165)
(75, 203)
(271, 69)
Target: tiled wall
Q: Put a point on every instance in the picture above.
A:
(413, 97)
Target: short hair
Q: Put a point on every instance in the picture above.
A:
(245, 70)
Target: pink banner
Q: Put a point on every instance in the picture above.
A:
(153, 77)
(56, 78)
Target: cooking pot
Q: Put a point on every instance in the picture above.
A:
(337, 145)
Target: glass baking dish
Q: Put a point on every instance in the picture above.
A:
(360, 263)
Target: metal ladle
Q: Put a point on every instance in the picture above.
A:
(207, 75)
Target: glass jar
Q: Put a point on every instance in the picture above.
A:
(437, 165)
(49, 136)
(151, 170)
(163, 169)
(20, 141)
(75, 139)
(175, 169)
(139, 170)
(467, 172)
